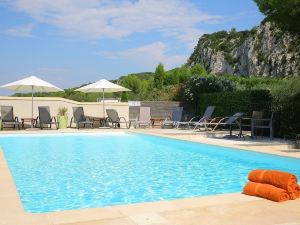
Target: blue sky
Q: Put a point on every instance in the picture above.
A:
(71, 42)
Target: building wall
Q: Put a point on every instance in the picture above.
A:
(22, 106)
(160, 109)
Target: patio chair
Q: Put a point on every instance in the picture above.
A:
(176, 118)
(115, 120)
(144, 118)
(196, 122)
(79, 118)
(234, 120)
(260, 123)
(45, 118)
(7, 117)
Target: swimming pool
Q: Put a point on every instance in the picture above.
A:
(55, 172)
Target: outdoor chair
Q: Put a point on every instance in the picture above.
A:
(234, 120)
(197, 122)
(260, 123)
(176, 118)
(144, 118)
(7, 117)
(45, 118)
(115, 120)
(79, 118)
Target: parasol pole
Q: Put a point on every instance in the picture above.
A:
(103, 103)
(31, 105)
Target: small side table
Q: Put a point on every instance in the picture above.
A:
(100, 120)
(31, 120)
(155, 120)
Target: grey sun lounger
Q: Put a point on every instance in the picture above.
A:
(176, 118)
(115, 120)
(8, 118)
(79, 118)
(195, 122)
(233, 120)
(144, 118)
(45, 118)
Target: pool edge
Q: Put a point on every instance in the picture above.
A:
(14, 213)
(223, 143)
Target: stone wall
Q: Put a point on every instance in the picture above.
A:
(22, 106)
(160, 109)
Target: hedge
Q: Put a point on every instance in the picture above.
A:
(228, 103)
(286, 114)
(287, 117)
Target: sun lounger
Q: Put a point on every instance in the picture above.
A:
(7, 117)
(176, 118)
(45, 118)
(144, 118)
(195, 122)
(115, 120)
(79, 118)
(233, 120)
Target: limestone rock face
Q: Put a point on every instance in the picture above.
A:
(265, 50)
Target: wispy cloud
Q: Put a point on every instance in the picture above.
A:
(96, 19)
(148, 55)
(21, 31)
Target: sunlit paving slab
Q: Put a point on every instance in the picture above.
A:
(148, 219)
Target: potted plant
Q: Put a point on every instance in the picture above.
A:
(62, 118)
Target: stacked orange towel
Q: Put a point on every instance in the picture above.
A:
(272, 184)
(266, 191)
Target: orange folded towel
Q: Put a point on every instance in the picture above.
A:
(266, 191)
(283, 180)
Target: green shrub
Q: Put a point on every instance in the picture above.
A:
(286, 117)
(230, 59)
(228, 103)
(205, 84)
(198, 69)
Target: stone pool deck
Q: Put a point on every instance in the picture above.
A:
(222, 209)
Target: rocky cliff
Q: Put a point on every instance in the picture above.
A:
(265, 50)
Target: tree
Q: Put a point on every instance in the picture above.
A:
(208, 84)
(124, 97)
(132, 82)
(285, 13)
(198, 69)
(184, 73)
(172, 77)
(159, 76)
(233, 30)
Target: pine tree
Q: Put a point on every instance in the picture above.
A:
(159, 76)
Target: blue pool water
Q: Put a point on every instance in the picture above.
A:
(61, 172)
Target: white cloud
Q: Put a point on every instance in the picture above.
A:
(148, 55)
(21, 31)
(95, 19)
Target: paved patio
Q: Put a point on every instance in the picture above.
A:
(223, 209)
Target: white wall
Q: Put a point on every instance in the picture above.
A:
(22, 106)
